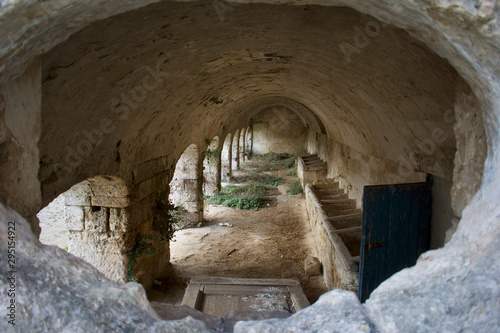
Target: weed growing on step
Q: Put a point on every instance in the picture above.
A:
(295, 187)
(249, 196)
(259, 178)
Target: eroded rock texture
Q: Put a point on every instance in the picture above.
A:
(57, 292)
(125, 96)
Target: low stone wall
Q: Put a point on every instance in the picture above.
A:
(309, 173)
(338, 269)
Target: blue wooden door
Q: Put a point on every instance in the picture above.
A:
(395, 232)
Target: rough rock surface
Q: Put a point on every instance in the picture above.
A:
(335, 312)
(57, 292)
(312, 266)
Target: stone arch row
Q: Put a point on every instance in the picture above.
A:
(106, 226)
(200, 173)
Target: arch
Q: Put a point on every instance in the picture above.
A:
(99, 225)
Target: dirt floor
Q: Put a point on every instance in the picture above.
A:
(269, 243)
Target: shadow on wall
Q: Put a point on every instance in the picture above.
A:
(278, 130)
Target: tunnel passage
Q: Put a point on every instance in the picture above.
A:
(382, 117)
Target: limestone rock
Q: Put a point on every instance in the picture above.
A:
(312, 266)
(57, 292)
(335, 311)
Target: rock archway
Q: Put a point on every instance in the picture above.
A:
(124, 96)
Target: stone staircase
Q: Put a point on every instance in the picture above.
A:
(336, 225)
(342, 215)
(311, 168)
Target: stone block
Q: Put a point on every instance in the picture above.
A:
(116, 202)
(73, 199)
(118, 219)
(96, 219)
(312, 266)
(75, 219)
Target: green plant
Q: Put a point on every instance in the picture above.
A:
(294, 172)
(214, 100)
(268, 162)
(290, 162)
(213, 154)
(260, 178)
(295, 187)
(166, 216)
(166, 219)
(249, 196)
(66, 248)
(143, 245)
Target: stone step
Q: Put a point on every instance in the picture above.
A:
(332, 214)
(338, 205)
(338, 201)
(341, 195)
(348, 230)
(352, 241)
(313, 161)
(326, 186)
(311, 156)
(355, 215)
(346, 221)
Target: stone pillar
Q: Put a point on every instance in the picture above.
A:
(236, 151)
(212, 168)
(227, 152)
(100, 227)
(242, 145)
(186, 188)
(20, 128)
(249, 141)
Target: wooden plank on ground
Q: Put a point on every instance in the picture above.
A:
(211, 289)
(193, 296)
(249, 282)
